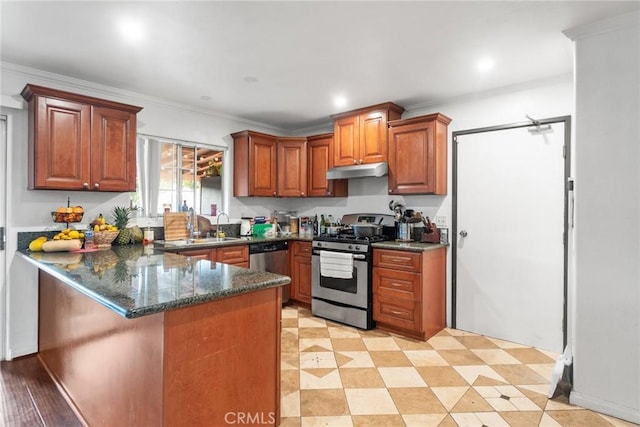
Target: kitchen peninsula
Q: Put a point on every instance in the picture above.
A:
(140, 337)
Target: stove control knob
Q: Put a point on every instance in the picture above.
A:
(318, 244)
(357, 248)
(350, 247)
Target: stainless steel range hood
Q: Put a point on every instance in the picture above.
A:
(358, 171)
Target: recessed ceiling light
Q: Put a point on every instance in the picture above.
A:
(131, 30)
(205, 98)
(340, 101)
(250, 79)
(485, 64)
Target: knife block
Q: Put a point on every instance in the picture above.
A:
(431, 235)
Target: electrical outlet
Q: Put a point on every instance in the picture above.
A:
(441, 221)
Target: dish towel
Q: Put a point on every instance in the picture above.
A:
(336, 264)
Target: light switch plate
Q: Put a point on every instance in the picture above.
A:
(441, 221)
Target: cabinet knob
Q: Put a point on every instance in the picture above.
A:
(355, 161)
(85, 185)
(390, 191)
(275, 194)
(360, 161)
(329, 192)
(96, 185)
(302, 194)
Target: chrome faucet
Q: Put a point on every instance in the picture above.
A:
(218, 223)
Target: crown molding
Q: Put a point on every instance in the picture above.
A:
(115, 94)
(591, 29)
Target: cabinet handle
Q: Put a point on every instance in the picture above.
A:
(85, 185)
(397, 285)
(397, 313)
(96, 185)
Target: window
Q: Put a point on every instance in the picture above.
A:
(173, 174)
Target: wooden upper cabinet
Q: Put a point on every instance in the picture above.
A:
(320, 159)
(114, 137)
(292, 167)
(80, 143)
(418, 155)
(360, 136)
(254, 164)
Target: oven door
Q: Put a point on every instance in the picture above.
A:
(353, 292)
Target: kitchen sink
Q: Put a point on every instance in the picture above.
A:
(204, 241)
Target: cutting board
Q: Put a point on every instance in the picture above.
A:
(175, 226)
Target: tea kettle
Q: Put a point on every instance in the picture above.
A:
(245, 226)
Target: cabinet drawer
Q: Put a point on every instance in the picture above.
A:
(397, 260)
(196, 253)
(301, 248)
(396, 312)
(233, 254)
(397, 284)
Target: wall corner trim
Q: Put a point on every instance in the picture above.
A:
(604, 26)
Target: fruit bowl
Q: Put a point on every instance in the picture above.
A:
(67, 216)
(103, 239)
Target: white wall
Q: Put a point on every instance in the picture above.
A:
(607, 332)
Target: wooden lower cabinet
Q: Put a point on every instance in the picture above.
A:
(409, 291)
(209, 364)
(234, 255)
(300, 266)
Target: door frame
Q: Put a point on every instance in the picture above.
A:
(568, 187)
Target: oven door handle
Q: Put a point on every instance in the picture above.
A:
(354, 256)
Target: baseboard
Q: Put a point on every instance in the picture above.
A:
(609, 408)
(12, 353)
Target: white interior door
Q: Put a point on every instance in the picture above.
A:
(510, 224)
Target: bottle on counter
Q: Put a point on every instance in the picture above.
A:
(316, 228)
(185, 208)
(88, 240)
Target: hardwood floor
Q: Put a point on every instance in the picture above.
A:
(30, 398)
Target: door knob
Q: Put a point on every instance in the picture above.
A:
(463, 233)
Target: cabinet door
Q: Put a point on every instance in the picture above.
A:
(373, 137)
(346, 141)
(60, 148)
(113, 150)
(292, 167)
(301, 271)
(262, 166)
(236, 255)
(319, 160)
(208, 254)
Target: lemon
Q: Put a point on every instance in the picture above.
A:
(74, 234)
(36, 245)
(56, 237)
(96, 228)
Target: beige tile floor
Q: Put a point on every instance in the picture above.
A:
(335, 375)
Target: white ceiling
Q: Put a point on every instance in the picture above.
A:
(282, 63)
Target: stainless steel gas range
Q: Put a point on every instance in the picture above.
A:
(341, 271)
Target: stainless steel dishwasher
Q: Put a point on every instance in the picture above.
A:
(272, 257)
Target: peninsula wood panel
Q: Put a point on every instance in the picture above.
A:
(188, 366)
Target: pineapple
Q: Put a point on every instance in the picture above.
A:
(121, 217)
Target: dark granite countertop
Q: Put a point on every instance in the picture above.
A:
(233, 241)
(408, 246)
(136, 280)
